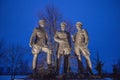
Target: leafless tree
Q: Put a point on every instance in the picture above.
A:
(53, 18)
(15, 59)
(116, 67)
(2, 57)
(98, 64)
(2, 45)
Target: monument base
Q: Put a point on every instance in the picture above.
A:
(70, 76)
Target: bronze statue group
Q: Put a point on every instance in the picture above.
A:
(39, 42)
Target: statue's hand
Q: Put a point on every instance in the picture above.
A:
(61, 40)
(45, 45)
(86, 44)
(72, 36)
(48, 43)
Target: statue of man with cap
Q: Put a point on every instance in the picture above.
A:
(62, 38)
(80, 47)
(38, 43)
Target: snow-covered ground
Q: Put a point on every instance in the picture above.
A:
(19, 77)
(7, 77)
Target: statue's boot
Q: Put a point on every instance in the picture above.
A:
(58, 66)
(34, 72)
(89, 68)
(80, 67)
(66, 63)
(49, 66)
(90, 71)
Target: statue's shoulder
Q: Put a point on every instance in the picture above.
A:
(36, 28)
(84, 31)
(58, 32)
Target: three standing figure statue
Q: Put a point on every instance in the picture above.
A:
(39, 42)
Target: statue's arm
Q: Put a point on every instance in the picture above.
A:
(73, 38)
(69, 39)
(56, 38)
(32, 38)
(86, 37)
(46, 38)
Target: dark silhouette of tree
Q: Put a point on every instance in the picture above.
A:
(2, 55)
(116, 70)
(98, 64)
(2, 44)
(24, 67)
(116, 67)
(15, 60)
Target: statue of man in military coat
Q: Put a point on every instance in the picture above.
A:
(38, 43)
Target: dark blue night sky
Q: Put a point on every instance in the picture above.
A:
(100, 17)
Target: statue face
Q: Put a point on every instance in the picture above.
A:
(42, 23)
(78, 26)
(63, 27)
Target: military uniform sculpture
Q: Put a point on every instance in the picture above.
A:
(80, 47)
(38, 43)
(62, 38)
